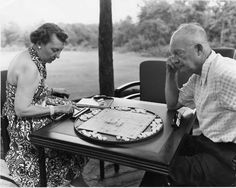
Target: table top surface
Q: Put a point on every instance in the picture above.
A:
(154, 154)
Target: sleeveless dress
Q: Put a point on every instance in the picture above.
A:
(22, 158)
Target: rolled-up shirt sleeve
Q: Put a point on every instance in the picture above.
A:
(186, 93)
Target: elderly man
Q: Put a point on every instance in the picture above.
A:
(204, 159)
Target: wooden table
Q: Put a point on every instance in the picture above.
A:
(154, 154)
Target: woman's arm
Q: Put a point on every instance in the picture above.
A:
(27, 82)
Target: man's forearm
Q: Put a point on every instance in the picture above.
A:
(171, 91)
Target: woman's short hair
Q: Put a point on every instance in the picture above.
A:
(44, 32)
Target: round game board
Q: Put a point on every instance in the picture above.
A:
(117, 125)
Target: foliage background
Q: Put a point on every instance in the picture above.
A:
(150, 35)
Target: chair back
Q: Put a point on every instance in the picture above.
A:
(3, 87)
(152, 81)
(4, 122)
(226, 52)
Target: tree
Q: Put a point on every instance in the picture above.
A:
(10, 35)
(155, 31)
(154, 9)
(221, 28)
(124, 32)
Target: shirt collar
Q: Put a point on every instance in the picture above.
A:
(206, 66)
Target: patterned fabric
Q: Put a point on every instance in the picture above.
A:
(22, 158)
(37, 60)
(213, 94)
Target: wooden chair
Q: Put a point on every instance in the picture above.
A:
(4, 122)
(225, 51)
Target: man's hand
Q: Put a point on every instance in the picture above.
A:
(172, 65)
(171, 87)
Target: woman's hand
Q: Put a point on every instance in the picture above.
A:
(65, 109)
(60, 92)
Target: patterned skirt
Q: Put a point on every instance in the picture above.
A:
(23, 158)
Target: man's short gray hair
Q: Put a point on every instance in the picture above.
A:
(192, 32)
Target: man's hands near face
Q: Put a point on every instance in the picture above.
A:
(172, 65)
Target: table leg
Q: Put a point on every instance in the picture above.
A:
(42, 168)
(101, 169)
(117, 167)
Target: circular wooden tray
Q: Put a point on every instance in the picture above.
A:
(152, 129)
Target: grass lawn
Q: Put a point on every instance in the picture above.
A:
(78, 71)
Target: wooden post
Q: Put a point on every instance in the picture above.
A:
(106, 77)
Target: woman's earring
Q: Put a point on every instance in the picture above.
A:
(39, 47)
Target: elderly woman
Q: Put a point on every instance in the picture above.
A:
(29, 107)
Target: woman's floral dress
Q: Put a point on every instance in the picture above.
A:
(22, 158)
